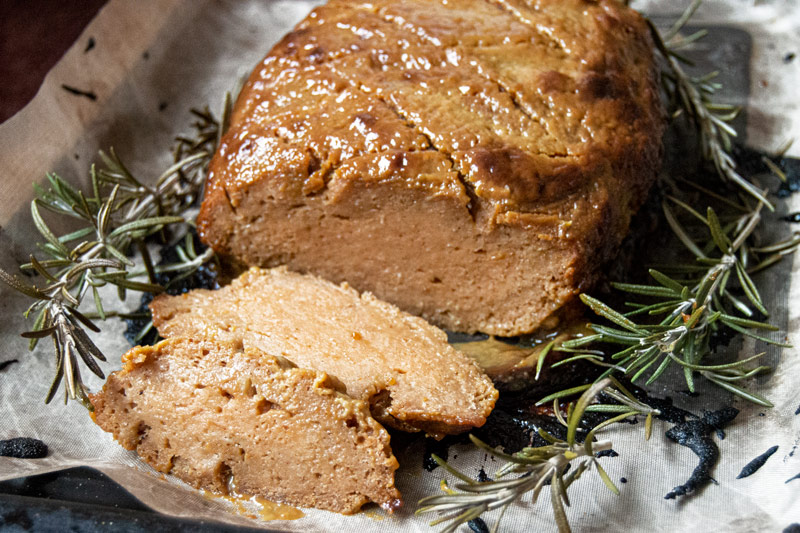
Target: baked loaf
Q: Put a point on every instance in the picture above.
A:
(404, 367)
(474, 162)
(217, 417)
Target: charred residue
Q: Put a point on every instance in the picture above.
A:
(23, 448)
(753, 466)
(696, 435)
(6, 364)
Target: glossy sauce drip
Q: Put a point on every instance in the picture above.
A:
(248, 506)
(374, 514)
(276, 511)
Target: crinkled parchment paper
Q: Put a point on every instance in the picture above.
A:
(154, 59)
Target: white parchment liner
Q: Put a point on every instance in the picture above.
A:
(153, 60)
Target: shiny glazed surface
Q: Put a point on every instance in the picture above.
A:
(532, 128)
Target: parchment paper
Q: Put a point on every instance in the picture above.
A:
(154, 59)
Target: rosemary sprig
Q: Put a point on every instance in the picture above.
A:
(119, 214)
(694, 97)
(695, 307)
(715, 292)
(537, 466)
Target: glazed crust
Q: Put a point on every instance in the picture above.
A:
(472, 161)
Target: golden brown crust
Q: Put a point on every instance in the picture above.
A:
(219, 417)
(540, 120)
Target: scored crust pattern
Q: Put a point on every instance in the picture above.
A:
(526, 124)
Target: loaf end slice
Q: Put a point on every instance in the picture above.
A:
(218, 416)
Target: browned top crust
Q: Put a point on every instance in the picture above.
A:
(225, 418)
(475, 162)
(519, 106)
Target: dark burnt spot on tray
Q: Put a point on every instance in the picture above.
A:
(90, 44)
(696, 435)
(477, 525)
(23, 448)
(79, 92)
(515, 422)
(607, 453)
(514, 429)
(753, 466)
(145, 55)
(162, 106)
(6, 364)
(788, 58)
(693, 432)
(440, 448)
(751, 162)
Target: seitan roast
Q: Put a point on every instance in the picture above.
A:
(474, 162)
(403, 366)
(218, 416)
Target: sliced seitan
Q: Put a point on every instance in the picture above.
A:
(474, 162)
(217, 416)
(403, 366)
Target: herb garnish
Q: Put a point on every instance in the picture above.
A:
(538, 466)
(716, 291)
(119, 215)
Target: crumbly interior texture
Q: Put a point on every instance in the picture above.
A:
(403, 366)
(474, 162)
(221, 417)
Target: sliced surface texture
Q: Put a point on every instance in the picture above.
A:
(218, 416)
(474, 162)
(404, 367)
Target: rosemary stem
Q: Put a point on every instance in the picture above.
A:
(196, 262)
(599, 446)
(64, 278)
(751, 226)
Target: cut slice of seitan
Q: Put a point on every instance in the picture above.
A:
(218, 416)
(474, 162)
(403, 366)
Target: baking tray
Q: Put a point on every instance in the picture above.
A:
(83, 500)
